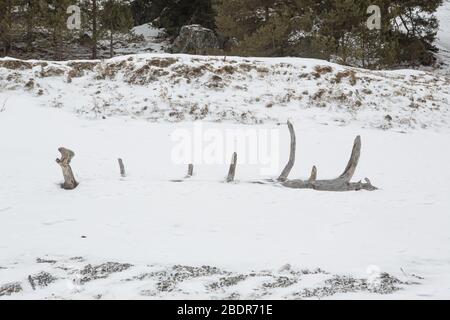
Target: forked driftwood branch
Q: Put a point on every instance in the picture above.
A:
(66, 157)
(232, 171)
(342, 183)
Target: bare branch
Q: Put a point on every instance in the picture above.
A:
(287, 170)
(353, 162)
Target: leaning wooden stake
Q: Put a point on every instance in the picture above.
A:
(342, 183)
(190, 171)
(66, 157)
(287, 170)
(122, 168)
(232, 172)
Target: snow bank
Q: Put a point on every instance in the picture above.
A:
(178, 88)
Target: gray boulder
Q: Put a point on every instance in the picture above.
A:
(195, 39)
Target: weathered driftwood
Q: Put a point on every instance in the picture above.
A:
(189, 175)
(232, 171)
(342, 183)
(190, 171)
(122, 168)
(287, 170)
(313, 176)
(66, 157)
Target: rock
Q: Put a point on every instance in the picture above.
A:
(195, 39)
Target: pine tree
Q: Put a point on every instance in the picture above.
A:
(116, 17)
(91, 12)
(256, 27)
(31, 17)
(331, 29)
(55, 19)
(173, 14)
(6, 25)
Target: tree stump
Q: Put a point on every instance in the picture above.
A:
(66, 157)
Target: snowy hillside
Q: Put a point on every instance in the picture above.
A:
(145, 236)
(249, 91)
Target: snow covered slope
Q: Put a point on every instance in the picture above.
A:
(147, 237)
(182, 88)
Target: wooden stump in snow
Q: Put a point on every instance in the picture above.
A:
(66, 157)
(122, 168)
(232, 171)
(190, 171)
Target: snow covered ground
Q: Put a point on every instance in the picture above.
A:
(246, 231)
(150, 236)
(174, 88)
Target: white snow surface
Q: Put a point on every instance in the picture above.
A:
(253, 241)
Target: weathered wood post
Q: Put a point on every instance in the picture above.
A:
(66, 157)
(232, 172)
(122, 168)
(190, 171)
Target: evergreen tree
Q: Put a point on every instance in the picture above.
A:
(116, 17)
(55, 19)
(31, 17)
(331, 29)
(6, 25)
(173, 14)
(91, 12)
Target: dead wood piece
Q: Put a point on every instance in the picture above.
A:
(330, 185)
(287, 170)
(190, 171)
(232, 171)
(342, 183)
(353, 162)
(313, 177)
(66, 157)
(122, 168)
